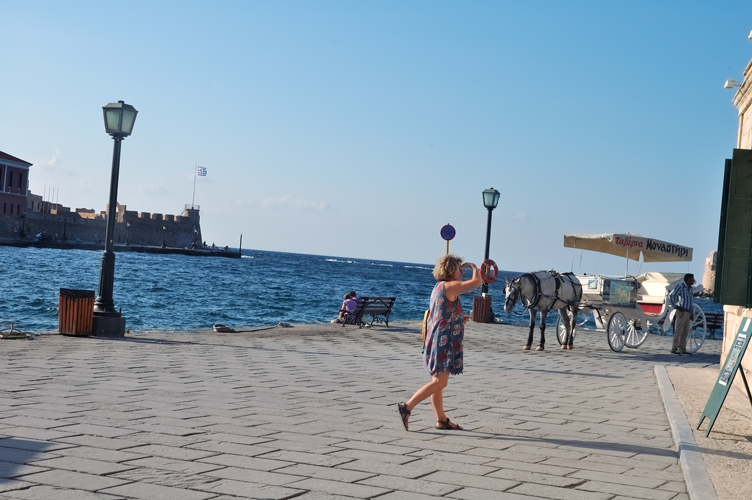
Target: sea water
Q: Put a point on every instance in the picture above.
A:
(183, 293)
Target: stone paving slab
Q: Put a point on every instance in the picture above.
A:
(310, 413)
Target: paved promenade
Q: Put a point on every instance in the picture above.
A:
(310, 413)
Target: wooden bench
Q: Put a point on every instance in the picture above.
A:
(379, 308)
(714, 322)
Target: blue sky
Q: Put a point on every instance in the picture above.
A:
(359, 129)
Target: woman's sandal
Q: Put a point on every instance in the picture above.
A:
(404, 413)
(448, 425)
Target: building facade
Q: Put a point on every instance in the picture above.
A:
(743, 103)
(14, 183)
(734, 315)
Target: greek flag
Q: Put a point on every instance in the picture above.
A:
(201, 171)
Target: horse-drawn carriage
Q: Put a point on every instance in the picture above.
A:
(626, 308)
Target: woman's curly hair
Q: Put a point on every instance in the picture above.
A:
(446, 267)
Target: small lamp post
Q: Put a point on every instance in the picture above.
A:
(65, 226)
(163, 236)
(118, 122)
(127, 234)
(195, 237)
(490, 201)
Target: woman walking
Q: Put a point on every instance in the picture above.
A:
(442, 355)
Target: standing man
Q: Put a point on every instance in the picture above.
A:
(681, 299)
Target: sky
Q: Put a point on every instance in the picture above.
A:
(359, 129)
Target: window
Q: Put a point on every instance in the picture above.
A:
(20, 180)
(11, 208)
(10, 178)
(5, 208)
(18, 209)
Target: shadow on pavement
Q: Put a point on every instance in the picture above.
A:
(15, 453)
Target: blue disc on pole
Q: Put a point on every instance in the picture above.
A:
(448, 232)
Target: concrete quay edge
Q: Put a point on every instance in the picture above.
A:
(699, 485)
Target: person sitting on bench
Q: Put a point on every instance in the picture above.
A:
(348, 305)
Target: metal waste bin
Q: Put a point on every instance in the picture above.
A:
(482, 308)
(76, 312)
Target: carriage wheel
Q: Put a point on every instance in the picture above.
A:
(561, 331)
(698, 329)
(616, 331)
(635, 337)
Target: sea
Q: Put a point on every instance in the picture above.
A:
(184, 294)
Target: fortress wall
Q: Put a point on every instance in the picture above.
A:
(144, 229)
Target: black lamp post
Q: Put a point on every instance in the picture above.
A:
(490, 201)
(163, 237)
(65, 226)
(127, 233)
(195, 237)
(118, 122)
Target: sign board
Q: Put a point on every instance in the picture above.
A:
(728, 372)
(448, 232)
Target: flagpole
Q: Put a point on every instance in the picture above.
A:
(195, 174)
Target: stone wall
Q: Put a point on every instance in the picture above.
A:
(733, 315)
(86, 226)
(743, 102)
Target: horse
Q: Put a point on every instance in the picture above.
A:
(543, 291)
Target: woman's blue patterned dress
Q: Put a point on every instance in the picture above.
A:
(446, 329)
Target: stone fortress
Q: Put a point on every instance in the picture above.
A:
(24, 214)
(131, 227)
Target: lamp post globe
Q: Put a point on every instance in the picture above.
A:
(164, 245)
(119, 119)
(491, 198)
(490, 201)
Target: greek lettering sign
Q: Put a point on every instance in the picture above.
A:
(726, 377)
(630, 246)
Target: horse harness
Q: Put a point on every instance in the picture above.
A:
(537, 293)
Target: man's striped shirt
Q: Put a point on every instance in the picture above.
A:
(681, 296)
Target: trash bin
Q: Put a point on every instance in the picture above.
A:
(481, 308)
(76, 311)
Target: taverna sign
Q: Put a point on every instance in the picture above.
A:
(630, 246)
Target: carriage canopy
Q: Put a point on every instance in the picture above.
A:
(630, 246)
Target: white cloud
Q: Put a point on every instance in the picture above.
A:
(53, 163)
(520, 216)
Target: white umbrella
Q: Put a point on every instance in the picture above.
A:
(630, 246)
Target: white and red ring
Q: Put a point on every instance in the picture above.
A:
(485, 271)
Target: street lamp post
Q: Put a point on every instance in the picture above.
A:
(65, 226)
(163, 237)
(195, 237)
(118, 122)
(490, 201)
(127, 234)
